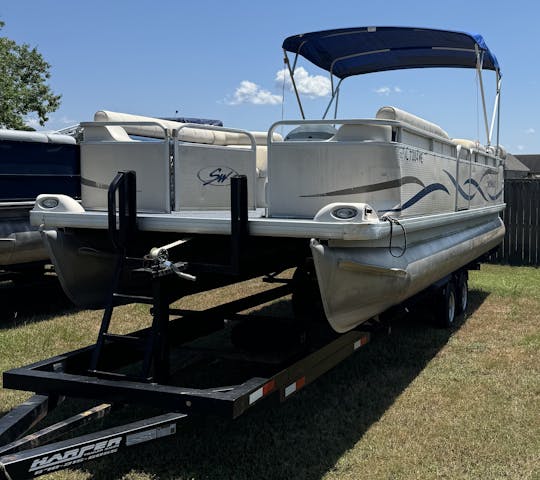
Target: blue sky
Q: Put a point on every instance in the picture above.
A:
(221, 59)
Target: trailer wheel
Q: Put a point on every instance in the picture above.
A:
(462, 293)
(446, 311)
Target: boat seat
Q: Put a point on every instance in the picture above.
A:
(212, 136)
(393, 113)
(363, 133)
(469, 144)
(476, 145)
(106, 133)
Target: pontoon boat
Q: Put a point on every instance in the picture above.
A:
(370, 211)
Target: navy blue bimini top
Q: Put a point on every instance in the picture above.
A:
(354, 51)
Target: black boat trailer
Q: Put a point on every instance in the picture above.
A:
(104, 372)
(31, 456)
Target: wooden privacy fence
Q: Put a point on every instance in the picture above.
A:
(521, 245)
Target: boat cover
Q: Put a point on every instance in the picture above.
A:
(353, 51)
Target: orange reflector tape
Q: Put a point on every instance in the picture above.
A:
(293, 387)
(261, 392)
(360, 342)
(269, 387)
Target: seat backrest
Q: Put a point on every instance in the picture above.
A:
(363, 133)
(393, 113)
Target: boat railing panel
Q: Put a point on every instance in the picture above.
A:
(108, 149)
(187, 167)
(392, 165)
(306, 175)
(203, 172)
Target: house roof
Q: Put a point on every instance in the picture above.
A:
(513, 163)
(530, 161)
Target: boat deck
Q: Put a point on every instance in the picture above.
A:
(219, 223)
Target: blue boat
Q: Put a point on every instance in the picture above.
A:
(31, 163)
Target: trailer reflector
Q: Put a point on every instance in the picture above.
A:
(261, 392)
(295, 386)
(360, 342)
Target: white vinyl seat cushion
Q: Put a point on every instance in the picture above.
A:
(393, 113)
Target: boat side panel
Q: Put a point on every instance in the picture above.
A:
(101, 161)
(203, 175)
(303, 177)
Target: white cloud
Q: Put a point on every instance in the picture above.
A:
(313, 86)
(386, 91)
(249, 92)
(520, 148)
(383, 91)
(530, 131)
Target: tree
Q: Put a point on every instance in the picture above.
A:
(23, 85)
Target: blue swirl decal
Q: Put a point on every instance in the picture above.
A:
(422, 193)
(476, 185)
(462, 192)
(419, 196)
(496, 196)
(473, 182)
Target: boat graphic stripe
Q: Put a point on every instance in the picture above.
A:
(368, 188)
(422, 193)
(419, 196)
(488, 172)
(91, 183)
(462, 192)
(473, 182)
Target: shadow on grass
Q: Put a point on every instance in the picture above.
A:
(304, 437)
(30, 301)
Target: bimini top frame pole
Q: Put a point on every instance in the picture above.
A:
(291, 74)
(489, 128)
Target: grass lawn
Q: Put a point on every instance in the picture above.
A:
(422, 403)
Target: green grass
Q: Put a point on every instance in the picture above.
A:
(422, 403)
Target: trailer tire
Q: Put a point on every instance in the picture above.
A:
(462, 293)
(446, 306)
